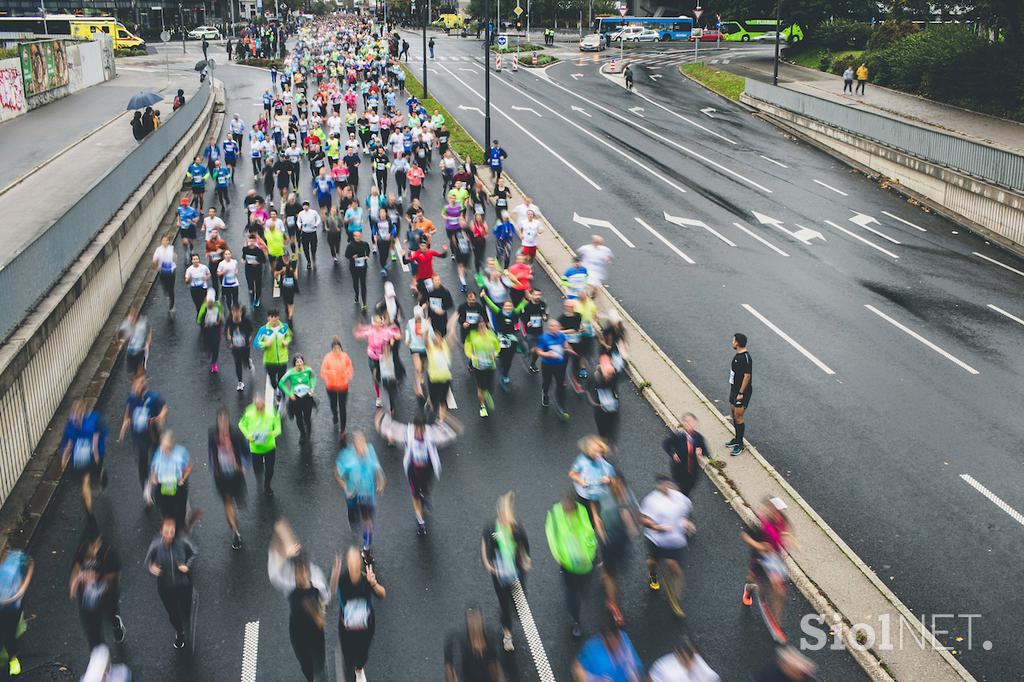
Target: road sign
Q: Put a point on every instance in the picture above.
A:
(165, 36)
(502, 41)
(622, 10)
(518, 11)
(535, 57)
(697, 12)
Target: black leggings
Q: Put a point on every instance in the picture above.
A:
(309, 242)
(301, 408)
(310, 649)
(339, 407)
(575, 586)
(414, 191)
(554, 372)
(382, 181)
(167, 282)
(355, 644)
(383, 252)
(9, 631)
(241, 357)
(177, 601)
(211, 340)
(505, 358)
(359, 283)
(438, 393)
(198, 296)
(334, 243)
(275, 372)
(257, 165)
(400, 182)
(505, 603)
(265, 460)
(254, 280)
(92, 619)
(229, 296)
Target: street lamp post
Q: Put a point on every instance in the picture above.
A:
(487, 74)
(778, 35)
(426, 19)
(181, 27)
(42, 11)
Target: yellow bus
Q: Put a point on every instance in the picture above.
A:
(85, 28)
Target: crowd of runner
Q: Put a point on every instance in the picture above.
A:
(342, 152)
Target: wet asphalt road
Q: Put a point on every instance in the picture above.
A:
(429, 580)
(877, 430)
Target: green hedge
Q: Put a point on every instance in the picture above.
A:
(951, 64)
(130, 52)
(888, 32)
(841, 34)
(8, 52)
(512, 47)
(460, 141)
(262, 63)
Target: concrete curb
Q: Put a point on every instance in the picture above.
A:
(44, 469)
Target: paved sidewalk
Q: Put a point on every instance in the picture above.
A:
(990, 130)
(33, 204)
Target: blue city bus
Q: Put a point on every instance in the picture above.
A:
(668, 28)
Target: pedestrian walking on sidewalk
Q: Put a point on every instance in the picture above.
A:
(862, 77)
(228, 47)
(431, 46)
(848, 79)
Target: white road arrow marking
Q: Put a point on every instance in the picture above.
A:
(806, 234)
(687, 222)
(803, 234)
(463, 68)
(707, 111)
(581, 110)
(591, 223)
(576, 76)
(527, 109)
(638, 111)
(905, 222)
(653, 68)
(654, 76)
(862, 220)
(666, 242)
(476, 109)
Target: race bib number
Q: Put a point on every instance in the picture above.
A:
(472, 317)
(140, 419)
(82, 453)
(356, 614)
(535, 320)
(360, 261)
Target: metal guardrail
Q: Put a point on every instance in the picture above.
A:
(27, 278)
(986, 163)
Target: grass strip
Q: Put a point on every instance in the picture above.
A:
(460, 141)
(726, 84)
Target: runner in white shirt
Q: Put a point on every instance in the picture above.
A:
(685, 664)
(308, 222)
(596, 259)
(163, 259)
(664, 514)
(211, 222)
(519, 212)
(334, 124)
(529, 229)
(197, 278)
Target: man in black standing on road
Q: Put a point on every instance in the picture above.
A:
(740, 387)
(206, 46)
(228, 46)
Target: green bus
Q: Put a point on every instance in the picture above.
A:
(759, 30)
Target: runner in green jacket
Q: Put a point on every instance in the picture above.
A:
(273, 339)
(574, 545)
(482, 347)
(261, 425)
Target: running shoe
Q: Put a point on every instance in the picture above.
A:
(179, 641)
(379, 403)
(483, 410)
(505, 384)
(120, 631)
(213, 368)
(731, 442)
(236, 542)
(563, 415)
(507, 642)
(577, 631)
(240, 386)
(360, 676)
(15, 667)
(652, 582)
(544, 400)
(421, 528)
(747, 598)
(367, 556)
(736, 450)
(534, 369)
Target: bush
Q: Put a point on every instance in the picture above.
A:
(888, 32)
(841, 34)
(130, 52)
(262, 63)
(839, 64)
(512, 47)
(951, 64)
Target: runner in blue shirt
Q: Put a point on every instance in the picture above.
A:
(495, 155)
(552, 347)
(188, 218)
(361, 477)
(197, 172)
(324, 185)
(83, 446)
(231, 150)
(222, 178)
(504, 234)
(608, 656)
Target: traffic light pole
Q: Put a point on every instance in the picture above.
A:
(778, 36)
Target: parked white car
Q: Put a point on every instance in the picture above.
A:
(634, 34)
(207, 32)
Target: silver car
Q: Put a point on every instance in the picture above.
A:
(592, 43)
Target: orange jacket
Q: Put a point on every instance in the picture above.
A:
(336, 371)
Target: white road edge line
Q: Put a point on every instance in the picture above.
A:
(762, 240)
(666, 242)
(910, 332)
(878, 233)
(837, 191)
(528, 133)
(858, 237)
(250, 651)
(905, 222)
(995, 262)
(533, 640)
(993, 498)
(788, 339)
(780, 165)
(684, 118)
(1003, 312)
(667, 140)
(607, 144)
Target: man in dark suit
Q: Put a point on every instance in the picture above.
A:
(683, 448)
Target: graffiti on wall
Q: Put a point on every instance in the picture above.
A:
(11, 94)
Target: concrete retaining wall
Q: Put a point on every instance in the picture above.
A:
(992, 211)
(89, 63)
(39, 361)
